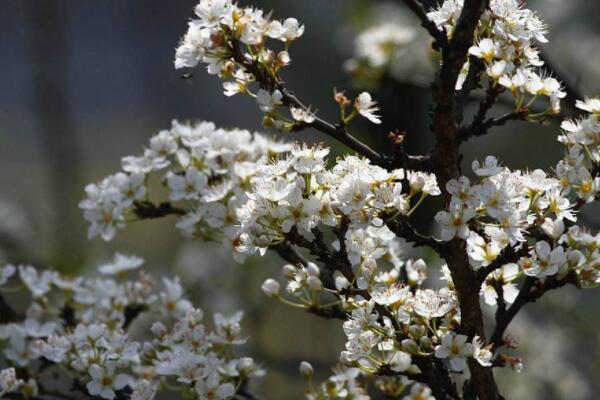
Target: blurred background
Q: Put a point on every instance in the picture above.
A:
(84, 83)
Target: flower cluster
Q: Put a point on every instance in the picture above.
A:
(251, 192)
(298, 194)
(504, 42)
(389, 322)
(219, 30)
(232, 42)
(504, 208)
(89, 337)
(343, 384)
(579, 169)
(206, 168)
(503, 204)
(339, 224)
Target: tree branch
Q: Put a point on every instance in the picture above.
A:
(568, 84)
(508, 255)
(7, 313)
(149, 210)
(336, 131)
(401, 159)
(531, 291)
(445, 128)
(481, 128)
(439, 36)
(402, 228)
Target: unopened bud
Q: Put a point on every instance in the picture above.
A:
(288, 271)
(314, 283)
(313, 269)
(271, 287)
(306, 369)
(341, 99)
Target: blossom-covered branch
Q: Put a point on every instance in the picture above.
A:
(93, 349)
(342, 226)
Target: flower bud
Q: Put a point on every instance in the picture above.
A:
(158, 329)
(283, 58)
(314, 283)
(268, 121)
(313, 269)
(271, 287)
(306, 369)
(246, 364)
(417, 331)
(410, 346)
(288, 271)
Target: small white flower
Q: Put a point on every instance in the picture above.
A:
(401, 362)
(591, 105)
(121, 263)
(6, 272)
(286, 32)
(545, 261)
(490, 167)
(188, 186)
(38, 283)
(268, 102)
(481, 253)
(212, 389)
(104, 382)
(454, 222)
(553, 228)
(482, 353)
(9, 382)
(505, 276)
(306, 369)
(302, 115)
(419, 391)
(456, 349)
(486, 49)
(367, 107)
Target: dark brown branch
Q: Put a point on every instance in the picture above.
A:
(331, 312)
(472, 82)
(7, 313)
(568, 83)
(436, 376)
(439, 36)
(402, 228)
(508, 255)
(446, 130)
(336, 131)
(401, 159)
(531, 291)
(482, 128)
(149, 210)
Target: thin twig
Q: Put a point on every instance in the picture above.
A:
(439, 35)
(336, 131)
(531, 291)
(149, 210)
